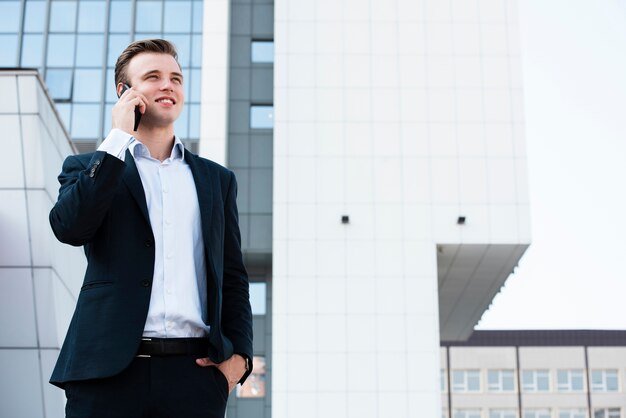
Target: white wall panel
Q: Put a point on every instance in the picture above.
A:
(8, 86)
(12, 167)
(20, 386)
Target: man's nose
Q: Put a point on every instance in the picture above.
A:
(167, 84)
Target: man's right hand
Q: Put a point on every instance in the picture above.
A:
(123, 113)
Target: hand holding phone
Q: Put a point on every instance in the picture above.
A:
(137, 110)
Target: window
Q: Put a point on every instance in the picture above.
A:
(572, 413)
(60, 50)
(89, 50)
(63, 16)
(466, 380)
(537, 413)
(177, 16)
(262, 51)
(87, 85)
(569, 380)
(9, 16)
(261, 117)
(606, 413)
(59, 82)
(148, 17)
(466, 413)
(83, 126)
(500, 381)
(258, 297)
(90, 16)
(8, 52)
(35, 16)
(442, 380)
(604, 380)
(32, 50)
(503, 413)
(120, 16)
(254, 386)
(536, 380)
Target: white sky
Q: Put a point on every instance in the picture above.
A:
(573, 275)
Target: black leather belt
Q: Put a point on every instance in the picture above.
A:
(173, 347)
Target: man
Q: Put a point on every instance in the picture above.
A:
(163, 325)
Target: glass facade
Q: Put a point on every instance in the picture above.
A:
(74, 44)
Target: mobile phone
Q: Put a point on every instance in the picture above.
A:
(137, 111)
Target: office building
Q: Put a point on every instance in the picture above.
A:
(379, 149)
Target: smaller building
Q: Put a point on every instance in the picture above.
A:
(535, 374)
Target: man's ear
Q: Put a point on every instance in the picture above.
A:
(119, 89)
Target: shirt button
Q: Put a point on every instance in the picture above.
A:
(170, 325)
(169, 256)
(164, 190)
(145, 283)
(169, 291)
(168, 222)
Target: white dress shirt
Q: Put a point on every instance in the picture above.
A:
(178, 302)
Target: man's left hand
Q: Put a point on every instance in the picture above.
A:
(233, 368)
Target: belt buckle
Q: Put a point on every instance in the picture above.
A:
(145, 355)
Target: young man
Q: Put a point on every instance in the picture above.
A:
(163, 325)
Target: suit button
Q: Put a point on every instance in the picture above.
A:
(148, 243)
(145, 283)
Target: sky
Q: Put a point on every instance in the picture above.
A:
(573, 276)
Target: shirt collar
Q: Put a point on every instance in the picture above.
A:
(137, 149)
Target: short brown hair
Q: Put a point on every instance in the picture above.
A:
(159, 46)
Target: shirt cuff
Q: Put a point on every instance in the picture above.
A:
(116, 143)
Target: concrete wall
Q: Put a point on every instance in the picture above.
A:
(39, 277)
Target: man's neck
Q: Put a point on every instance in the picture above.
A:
(159, 141)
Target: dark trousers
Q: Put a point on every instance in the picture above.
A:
(154, 387)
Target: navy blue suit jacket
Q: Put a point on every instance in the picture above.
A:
(102, 206)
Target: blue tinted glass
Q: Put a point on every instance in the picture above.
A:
(198, 12)
(196, 51)
(60, 50)
(117, 44)
(177, 16)
(91, 16)
(195, 84)
(262, 51)
(89, 50)
(121, 13)
(262, 117)
(106, 126)
(32, 50)
(85, 121)
(194, 121)
(147, 35)
(9, 16)
(59, 82)
(65, 111)
(258, 298)
(110, 95)
(87, 86)
(183, 45)
(186, 74)
(8, 52)
(148, 17)
(35, 16)
(181, 126)
(63, 16)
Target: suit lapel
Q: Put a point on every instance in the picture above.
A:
(204, 192)
(133, 182)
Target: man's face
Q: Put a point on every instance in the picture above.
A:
(159, 78)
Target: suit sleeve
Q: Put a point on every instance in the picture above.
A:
(236, 311)
(85, 196)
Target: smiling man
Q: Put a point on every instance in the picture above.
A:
(163, 325)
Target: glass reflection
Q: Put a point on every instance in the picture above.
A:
(177, 16)
(84, 125)
(32, 50)
(119, 20)
(8, 52)
(117, 43)
(35, 16)
(261, 117)
(262, 51)
(87, 86)
(60, 50)
(89, 50)
(59, 82)
(148, 17)
(198, 11)
(9, 16)
(91, 16)
(63, 16)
